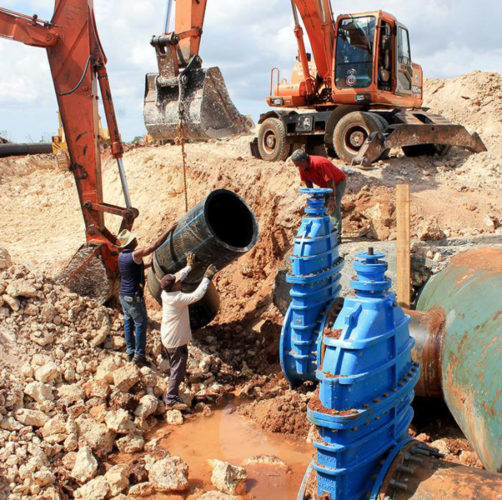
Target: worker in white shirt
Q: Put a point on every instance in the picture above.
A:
(175, 329)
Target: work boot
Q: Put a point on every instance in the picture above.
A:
(140, 361)
(175, 404)
(130, 356)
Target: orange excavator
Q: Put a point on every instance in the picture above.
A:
(78, 66)
(359, 97)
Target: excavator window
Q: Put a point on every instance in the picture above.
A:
(403, 47)
(354, 52)
(385, 57)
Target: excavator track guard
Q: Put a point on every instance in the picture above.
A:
(197, 99)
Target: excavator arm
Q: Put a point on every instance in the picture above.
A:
(78, 67)
(185, 100)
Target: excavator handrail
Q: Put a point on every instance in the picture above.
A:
(272, 71)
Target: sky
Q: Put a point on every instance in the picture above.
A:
(245, 38)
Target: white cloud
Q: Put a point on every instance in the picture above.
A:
(246, 38)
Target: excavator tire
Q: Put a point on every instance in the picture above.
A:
(426, 150)
(272, 142)
(351, 132)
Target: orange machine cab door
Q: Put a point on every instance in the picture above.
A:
(404, 69)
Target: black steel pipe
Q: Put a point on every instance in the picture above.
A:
(34, 148)
(219, 229)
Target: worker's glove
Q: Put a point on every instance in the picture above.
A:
(190, 259)
(210, 272)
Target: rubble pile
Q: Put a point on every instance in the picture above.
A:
(68, 397)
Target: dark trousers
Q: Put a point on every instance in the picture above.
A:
(177, 357)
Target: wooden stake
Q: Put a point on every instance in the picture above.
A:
(403, 245)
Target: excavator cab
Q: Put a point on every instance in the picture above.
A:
(184, 100)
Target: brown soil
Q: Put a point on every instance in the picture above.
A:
(285, 414)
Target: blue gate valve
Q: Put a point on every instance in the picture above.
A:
(315, 276)
(362, 407)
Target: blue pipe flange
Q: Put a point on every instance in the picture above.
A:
(315, 276)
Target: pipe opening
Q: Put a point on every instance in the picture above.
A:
(231, 220)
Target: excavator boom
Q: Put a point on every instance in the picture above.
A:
(77, 62)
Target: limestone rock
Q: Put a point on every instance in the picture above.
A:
(442, 446)
(118, 479)
(95, 389)
(106, 369)
(47, 373)
(131, 443)
(174, 417)
(39, 391)
(96, 435)
(169, 474)
(141, 490)
(21, 288)
(43, 477)
(42, 338)
(5, 260)
(10, 424)
(86, 466)
(100, 336)
(13, 303)
(97, 489)
(147, 406)
(228, 478)
(216, 495)
(125, 377)
(48, 313)
(34, 418)
(72, 393)
(265, 459)
(119, 421)
(54, 430)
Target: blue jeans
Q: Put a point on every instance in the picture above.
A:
(135, 318)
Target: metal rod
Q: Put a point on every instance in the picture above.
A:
(168, 15)
(295, 14)
(123, 181)
(323, 12)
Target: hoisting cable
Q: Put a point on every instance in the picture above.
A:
(181, 136)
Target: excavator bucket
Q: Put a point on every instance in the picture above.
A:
(198, 100)
(86, 274)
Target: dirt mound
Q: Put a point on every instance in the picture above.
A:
(286, 414)
(473, 100)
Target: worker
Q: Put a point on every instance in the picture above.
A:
(132, 283)
(175, 329)
(321, 172)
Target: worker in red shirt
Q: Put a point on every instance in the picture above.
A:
(321, 172)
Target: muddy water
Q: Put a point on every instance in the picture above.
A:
(230, 437)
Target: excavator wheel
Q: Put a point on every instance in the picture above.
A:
(351, 132)
(426, 150)
(272, 142)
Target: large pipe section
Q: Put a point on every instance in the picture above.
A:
(417, 473)
(219, 229)
(362, 409)
(315, 279)
(32, 148)
(458, 330)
